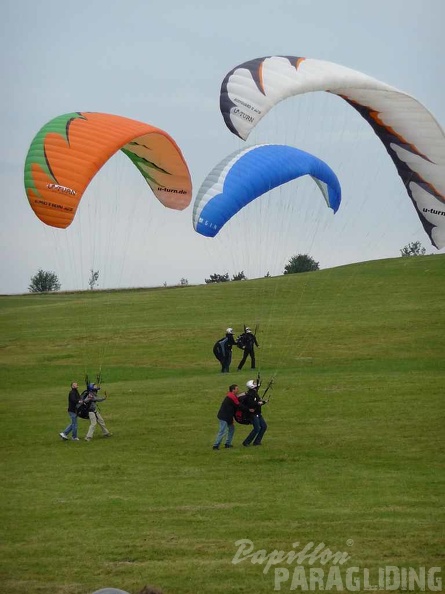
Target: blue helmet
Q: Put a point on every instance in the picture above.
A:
(93, 387)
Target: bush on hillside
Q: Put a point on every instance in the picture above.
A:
(44, 281)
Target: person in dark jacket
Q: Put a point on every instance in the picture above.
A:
(254, 403)
(223, 350)
(93, 414)
(225, 417)
(73, 401)
(247, 341)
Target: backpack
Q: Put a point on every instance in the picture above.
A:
(241, 341)
(84, 408)
(218, 348)
(242, 417)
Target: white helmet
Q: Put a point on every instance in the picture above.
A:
(229, 331)
(251, 384)
(249, 330)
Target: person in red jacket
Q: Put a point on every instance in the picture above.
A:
(225, 417)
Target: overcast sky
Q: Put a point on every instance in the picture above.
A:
(163, 63)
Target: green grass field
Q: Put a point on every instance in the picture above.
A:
(353, 458)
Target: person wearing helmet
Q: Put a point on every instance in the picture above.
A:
(247, 342)
(254, 403)
(93, 413)
(222, 350)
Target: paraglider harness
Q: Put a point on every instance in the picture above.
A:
(83, 408)
(243, 417)
(219, 348)
(241, 341)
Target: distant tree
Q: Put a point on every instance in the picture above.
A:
(300, 263)
(94, 277)
(239, 276)
(218, 278)
(413, 249)
(43, 282)
(184, 282)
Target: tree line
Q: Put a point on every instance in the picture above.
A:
(45, 281)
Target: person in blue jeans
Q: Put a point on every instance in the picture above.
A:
(73, 401)
(225, 417)
(253, 401)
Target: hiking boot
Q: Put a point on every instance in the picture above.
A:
(63, 436)
(228, 445)
(87, 438)
(215, 448)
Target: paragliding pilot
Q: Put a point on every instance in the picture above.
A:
(254, 402)
(247, 342)
(222, 349)
(90, 397)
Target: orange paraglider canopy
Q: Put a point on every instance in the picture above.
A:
(70, 149)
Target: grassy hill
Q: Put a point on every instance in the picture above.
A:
(352, 461)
